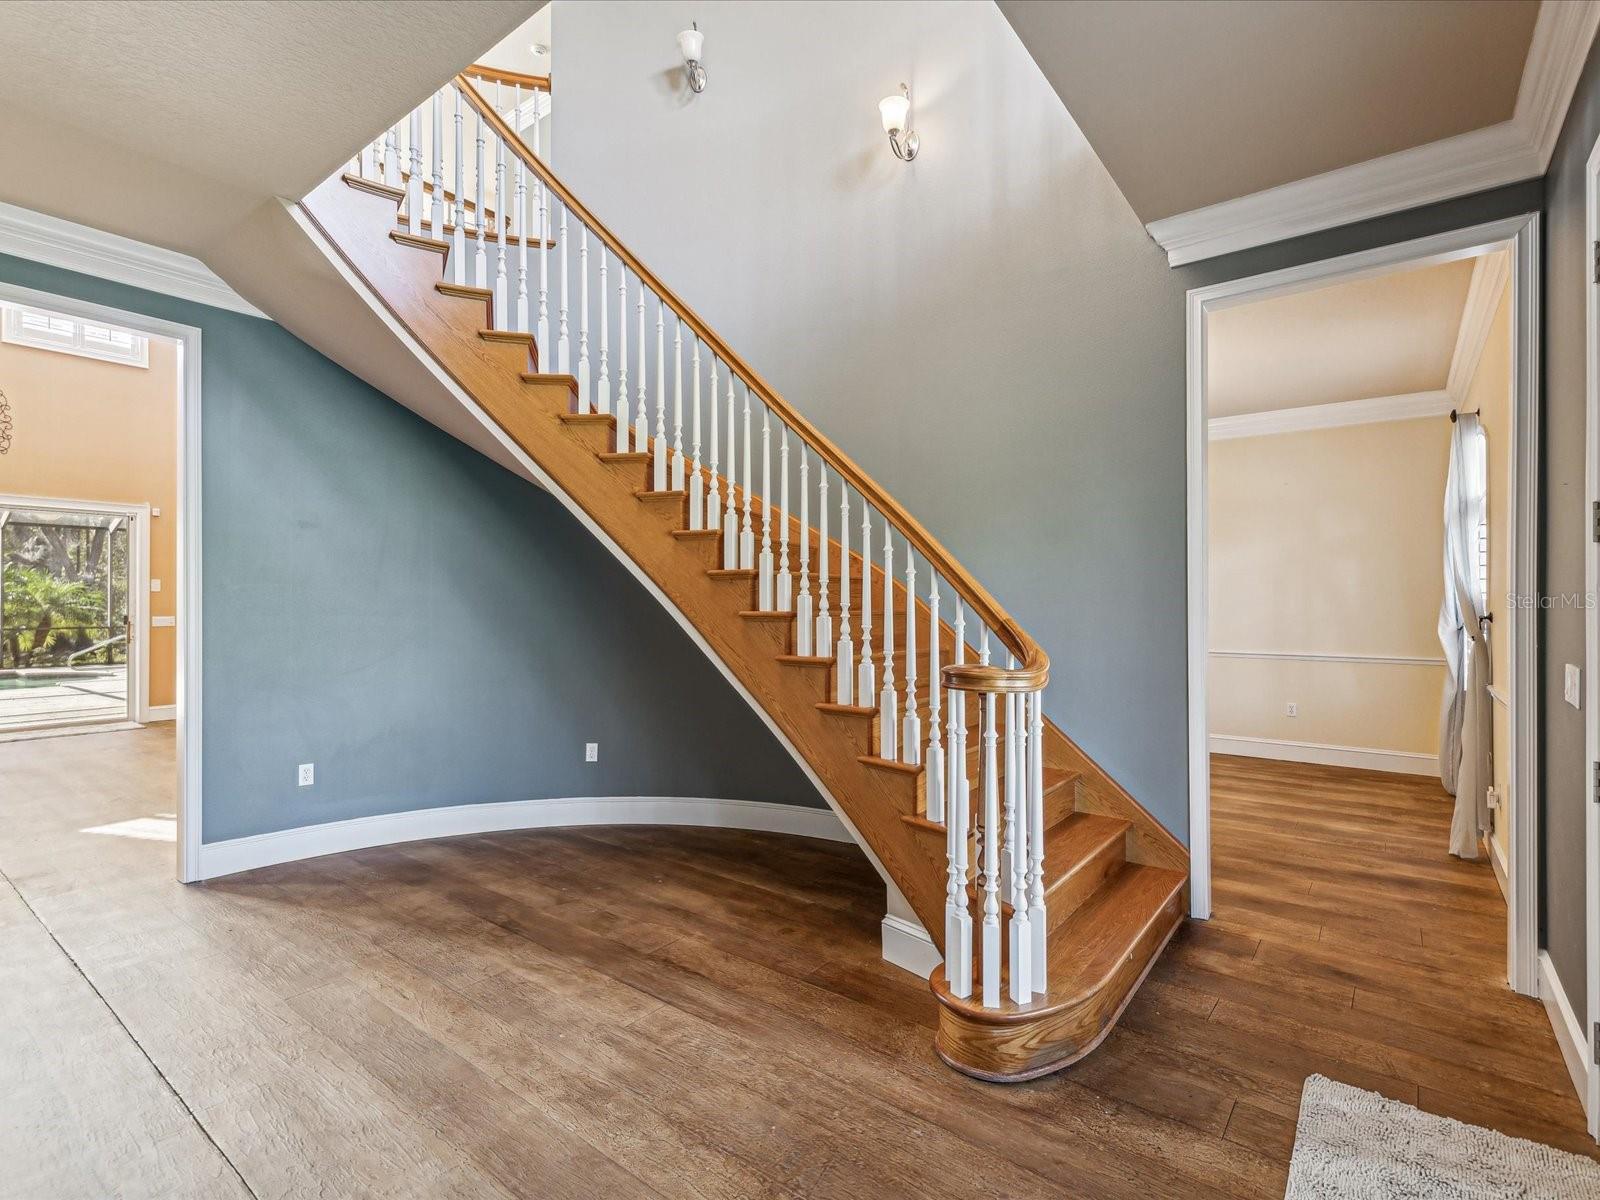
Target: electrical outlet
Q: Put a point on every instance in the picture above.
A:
(308, 774)
(1291, 709)
(591, 752)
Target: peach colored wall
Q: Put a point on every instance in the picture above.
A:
(91, 430)
(1329, 542)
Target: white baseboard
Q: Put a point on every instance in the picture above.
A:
(907, 945)
(1569, 1030)
(1403, 762)
(160, 712)
(334, 837)
(1502, 874)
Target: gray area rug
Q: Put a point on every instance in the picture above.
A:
(1351, 1143)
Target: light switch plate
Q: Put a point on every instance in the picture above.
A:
(1573, 691)
(155, 585)
(163, 622)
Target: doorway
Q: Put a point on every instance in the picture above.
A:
(72, 581)
(1515, 241)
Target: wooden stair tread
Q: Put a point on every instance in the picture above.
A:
(624, 456)
(465, 290)
(1088, 948)
(506, 335)
(1078, 838)
(421, 243)
(376, 188)
(693, 534)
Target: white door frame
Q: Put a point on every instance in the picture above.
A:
(1521, 235)
(1591, 719)
(138, 516)
(188, 582)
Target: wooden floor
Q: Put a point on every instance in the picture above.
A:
(651, 1012)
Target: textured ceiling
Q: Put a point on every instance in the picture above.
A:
(1191, 102)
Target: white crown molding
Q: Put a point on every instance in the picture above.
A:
(41, 238)
(385, 829)
(1490, 273)
(1407, 407)
(1484, 158)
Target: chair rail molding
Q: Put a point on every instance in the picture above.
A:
(1470, 162)
(42, 238)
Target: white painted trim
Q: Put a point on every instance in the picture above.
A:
(30, 733)
(1522, 235)
(1569, 1033)
(1499, 697)
(1502, 872)
(1400, 762)
(39, 237)
(538, 475)
(188, 582)
(1484, 158)
(160, 712)
(385, 829)
(1308, 656)
(907, 945)
(1490, 274)
(138, 518)
(1410, 406)
(1591, 564)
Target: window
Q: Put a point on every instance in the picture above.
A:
(45, 330)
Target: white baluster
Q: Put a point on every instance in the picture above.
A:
(603, 396)
(784, 592)
(520, 321)
(822, 643)
(911, 734)
(990, 875)
(1008, 784)
(391, 157)
(414, 196)
(730, 519)
(1021, 944)
(585, 395)
(622, 359)
(480, 260)
(658, 477)
(1036, 913)
(714, 500)
(502, 297)
(933, 783)
(458, 236)
(867, 672)
(957, 786)
(697, 479)
(369, 161)
(641, 410)
(563, 345)
(439, 211)
(764, 598)
(677, 407)
(542, 194)
(844, 664)
(803, 617)
(957, 914)
(888, 701)
(747, 535)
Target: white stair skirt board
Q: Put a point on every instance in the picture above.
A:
(1568, 1029)
(359, 833)
(907, 945)
(1357, 1144)
(1401, 762)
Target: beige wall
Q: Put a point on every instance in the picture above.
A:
(92, 430)
(1490, 394)
(1329, 542)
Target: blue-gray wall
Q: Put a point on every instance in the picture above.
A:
(1564, 528)
(988, 330)
(426, 627)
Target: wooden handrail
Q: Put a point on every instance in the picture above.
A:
(534, 83)
(1033, 669)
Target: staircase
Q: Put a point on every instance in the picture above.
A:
(895, 679)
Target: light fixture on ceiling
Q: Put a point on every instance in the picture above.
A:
(896, 113)
(691, 42)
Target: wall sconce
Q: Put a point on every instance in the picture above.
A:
(690, 43)
(895, 110)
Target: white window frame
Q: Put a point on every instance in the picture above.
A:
(13, 330)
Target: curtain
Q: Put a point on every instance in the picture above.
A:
(1465, 722)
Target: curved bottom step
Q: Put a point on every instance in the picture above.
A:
(1098, 959)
